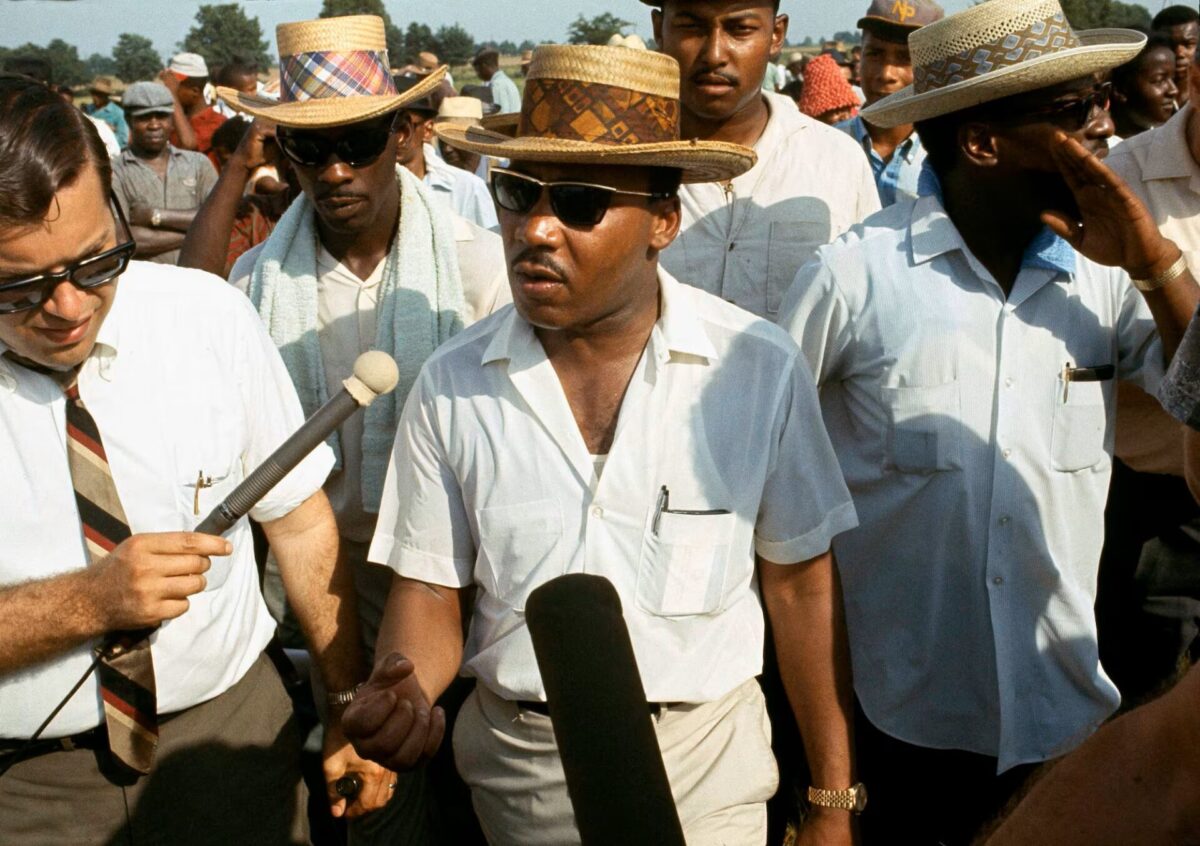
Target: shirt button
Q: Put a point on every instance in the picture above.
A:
(1008, 382)
(597, 512)
(731, 246)
(1004, 520)
(998, 580)
(1007, 453)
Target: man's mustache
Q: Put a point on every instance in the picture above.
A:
(540, 260)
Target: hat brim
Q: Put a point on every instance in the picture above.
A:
(699, 161)
(1099, 50)
(323, 112)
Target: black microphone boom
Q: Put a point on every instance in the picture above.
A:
(375, 373)
(615, 774)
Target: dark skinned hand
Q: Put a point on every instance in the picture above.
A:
(1113, 227)
(390, 721)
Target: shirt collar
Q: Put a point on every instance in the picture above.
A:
(679, 330)
(932, 233)
(1168, 156)
(436, 173)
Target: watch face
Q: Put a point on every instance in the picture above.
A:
(860, 797)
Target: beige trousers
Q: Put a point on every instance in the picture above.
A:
(717, 755)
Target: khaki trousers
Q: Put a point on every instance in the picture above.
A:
(717, 756)
(227, 772)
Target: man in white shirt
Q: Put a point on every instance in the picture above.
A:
(366, 258)
(134, 398)
(504, 91)
(744, 239)
(588, 430)
(966, 353)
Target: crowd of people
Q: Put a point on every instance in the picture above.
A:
(869, 379)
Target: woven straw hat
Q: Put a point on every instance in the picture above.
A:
(994, 50)
(605, 106)
(332, 71)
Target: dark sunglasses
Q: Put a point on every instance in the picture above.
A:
(92, 272)
(359, 145)
(1076, 114)
(574, 203)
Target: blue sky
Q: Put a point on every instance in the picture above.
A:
(93, 25)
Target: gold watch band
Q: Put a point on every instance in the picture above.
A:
(853, 799)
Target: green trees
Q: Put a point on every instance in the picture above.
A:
(454, 45)
(136, 58)
(1093, 14)
(223, 32)
(596, 30)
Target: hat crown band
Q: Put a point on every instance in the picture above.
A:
(571, 110)
(330, 73)
(1010, 46)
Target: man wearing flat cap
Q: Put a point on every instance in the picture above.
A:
(895, 153)
(743, 239)
(967, 346)
(587, 429)
(366, 258)
(159, 185)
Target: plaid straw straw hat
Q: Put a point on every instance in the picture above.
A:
(994, 50)
(601, 105)
(332, 71)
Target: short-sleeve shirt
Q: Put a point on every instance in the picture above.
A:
(183, 381)
(719, 452)
(504, 92)
(190, 177)
(745, 241)
(979, 475)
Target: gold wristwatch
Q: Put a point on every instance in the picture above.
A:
(853, 800)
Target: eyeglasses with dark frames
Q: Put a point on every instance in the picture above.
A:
(574, 203)
(1076, 113)
(359, 145)
(91, 272)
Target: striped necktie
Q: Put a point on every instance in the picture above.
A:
(125, 671)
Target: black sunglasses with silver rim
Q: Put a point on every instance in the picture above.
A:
(574, 203)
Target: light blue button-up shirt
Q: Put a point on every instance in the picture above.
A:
(896, 178)
(979, 475)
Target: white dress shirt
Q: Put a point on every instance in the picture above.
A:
(1158, 166)
(183, 380)
(491, 484)
(466, 193)
(505, 93)
(745, 243)
(979, 476)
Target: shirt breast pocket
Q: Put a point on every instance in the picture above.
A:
(199, 492)
(790, 244)
(1080, 420)
(518, 544)
(925, 427)
(685, 564)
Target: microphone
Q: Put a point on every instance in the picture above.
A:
(610, 756)
(375, 374)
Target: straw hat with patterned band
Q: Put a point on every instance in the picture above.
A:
(994, 50)
(332, 71)
(605, 106)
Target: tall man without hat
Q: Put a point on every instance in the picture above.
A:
(587, 429)
(134, 397)
(967, 347)
(160, 187)
(1181, 24)
(895, 153)
(743, 239)
(365, 258)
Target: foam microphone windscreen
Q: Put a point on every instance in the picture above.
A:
(614, 769)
